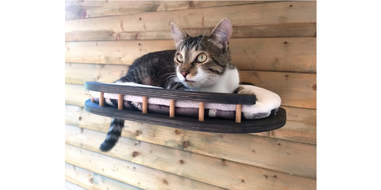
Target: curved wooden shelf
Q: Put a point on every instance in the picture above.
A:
(274, 121)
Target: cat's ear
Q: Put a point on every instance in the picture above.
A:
(222, 32)
(177, 34)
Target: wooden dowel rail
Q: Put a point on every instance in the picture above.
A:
(145, 105)
(216, 125)
(238, 113)
(201, 107)
(172, 108)
(101, 99)
(173, 96)
(224, 98)
(201, 111)
(120, 101)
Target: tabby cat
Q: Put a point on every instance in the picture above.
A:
(200, 63)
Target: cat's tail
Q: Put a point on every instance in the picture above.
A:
(113, 135)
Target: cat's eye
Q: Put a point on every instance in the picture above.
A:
(201, 58)
(179, 58)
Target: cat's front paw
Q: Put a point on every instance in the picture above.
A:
(266, 101)
(137, 105)
(245, 90)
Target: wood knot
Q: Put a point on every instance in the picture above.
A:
(117, 36)
(138, 132)
(181, 161)
(165, 181)
(191, 4)
(135, 154)
(291, 5)
(223, 161)
(139, 44)
(314, 87)
(266, 176)
(186, 144)
(275, 176)
(177, 132)
(242, 181)
(285, 42)
(279, 144)
(140, 18)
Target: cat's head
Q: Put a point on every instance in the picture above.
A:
(202, 60)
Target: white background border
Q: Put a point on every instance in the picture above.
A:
(348, 87)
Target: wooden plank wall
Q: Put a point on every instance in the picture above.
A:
(273, 45)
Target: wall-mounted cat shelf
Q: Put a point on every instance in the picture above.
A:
(199, 111)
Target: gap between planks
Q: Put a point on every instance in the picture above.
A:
(176, 149)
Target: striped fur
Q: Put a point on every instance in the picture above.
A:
(165, 69)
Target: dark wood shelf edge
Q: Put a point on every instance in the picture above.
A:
(225, 98)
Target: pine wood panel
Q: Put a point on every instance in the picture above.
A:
(241, 15)
(81, 73)
(128, 172)
(275, 154)
(258, 31)
(114, 8)
(300, 126)
(295, 89)
(90, 180)
(270, 54)
(231, 175)
(76, 95)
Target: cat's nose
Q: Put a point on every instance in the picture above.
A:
(184, 73)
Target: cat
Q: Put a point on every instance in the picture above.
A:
(200, 63)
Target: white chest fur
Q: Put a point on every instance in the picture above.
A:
(227, 83)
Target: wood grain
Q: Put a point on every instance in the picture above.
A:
(286, 156)
(295, 89)
(80, 73)
(300, 126)
(143, 177)
(232, 175)
(116, 8)
(76, 95)
(267, 54)
(241, 15)
(91, 180)
(257, 31)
